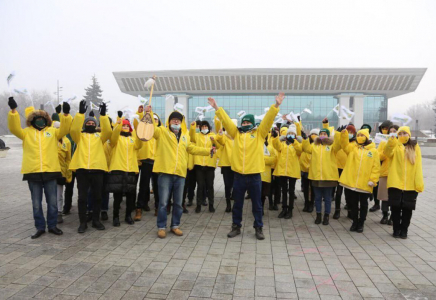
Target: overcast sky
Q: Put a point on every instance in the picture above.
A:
(43, 41)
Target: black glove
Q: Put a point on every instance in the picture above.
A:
(274, 134)
(82, 107)
(290, 140)
(12, 104)
(120, 114)
(325, 120)
(58, 109)
(304, 135)
(66, 108)
(299, 118)
(91, 114)
(103, 109)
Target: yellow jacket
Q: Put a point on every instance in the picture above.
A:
(39, 147)
(363, 165)
(384, 160)
(148, 149)
(89, 153)
(341, 156)
(64, 155)
(402, 174)
(287, 163)
(270, 157)
(305, 162)
(323, 165)
(225, 145)
(124, 151)
(203, 141)
(172, 155)
(108, 151)
(247, 155)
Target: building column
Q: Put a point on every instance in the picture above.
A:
(169, 105)
(358, 110)
(343, 100)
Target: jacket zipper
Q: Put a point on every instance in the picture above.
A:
(127, 152)
(205, 143)
(287, 151)
(177, 153)
(40, 150)
(322, 149)
(405, 168)
(89, 150)
(360, 165)
(243, 161)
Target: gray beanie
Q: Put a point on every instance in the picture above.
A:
(87, 119)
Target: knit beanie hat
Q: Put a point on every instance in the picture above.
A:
(314, 131)
(55, 117)
(405, 129)
(248, 118)
(176, 115)
(87, 119)
(351, 128)
(292, 129)
(365, 132)
(326, 131)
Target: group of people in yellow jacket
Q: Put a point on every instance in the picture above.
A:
(254, 158)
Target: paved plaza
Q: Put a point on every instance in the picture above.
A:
(297, 260)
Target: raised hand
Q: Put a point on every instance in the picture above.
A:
(120, 114)
(103, 109)
(148, 108)
(194, 123)
(212, 103)
(91, 113)
(66, 108)
(274, 133)
(279, 99)
(12, 103)
(325, 120)
(303, 135)
(58, 109)
(83, 107)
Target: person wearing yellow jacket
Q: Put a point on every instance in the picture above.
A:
(204, 165)
(123, 169)
(248, 162)
(191, 179)
(323, 170)
(40, 165)
(288, 167)
(171, 162)
(309, 196)
(64, 155)
(382, 194)
(270, 156)
(360, 175)
(89, 161)
(146, 155)
(405, 179)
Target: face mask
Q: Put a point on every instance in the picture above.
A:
(126, 130)
(322, 137)
(290, 136)
(393, 134)
(176, 127)
(313, 136)
(246, 128)
(350, 136)
(40, 123)
(205, 131)
(361, 139)
(89, 128)
(384, 131)
(403, 139)
(197, 130)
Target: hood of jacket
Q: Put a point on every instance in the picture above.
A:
(158, 117)
(183, 124)
(38, 113)
(328, 141)
(385, 124)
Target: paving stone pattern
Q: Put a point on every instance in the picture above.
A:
(297, 260)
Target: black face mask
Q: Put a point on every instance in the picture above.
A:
(122, 133)
(39, 123)
(89, 129)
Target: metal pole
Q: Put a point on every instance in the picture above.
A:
(58, 92)
(417, 129)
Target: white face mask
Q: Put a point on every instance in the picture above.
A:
(175, 127)
(204, 131)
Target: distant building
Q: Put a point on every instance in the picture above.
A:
(364, 91)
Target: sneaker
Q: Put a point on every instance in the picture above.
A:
(104, 216)
(236, 230)
(259, 233)
(60, 220)
(161, 233)
(177, 231)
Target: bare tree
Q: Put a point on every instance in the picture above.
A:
(424, 113)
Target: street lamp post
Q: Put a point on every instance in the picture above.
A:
(59, 90)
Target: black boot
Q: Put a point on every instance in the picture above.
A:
(185, 210)
(104, 216)
(129, 219)
(97, 225)
(229, 205)
(390, 221)
(283, 213)
(259, 233)
(353, 226)
(310, 207)
(360, 226)
(305, 206)
(403, 234)
(288, 214)
(275, 207)
(146, 207)
(325, 221)
(116, 222)
(236, 230)
(189, 203)
(198, 209)
(337, 214)
(211, 208)
(384, 220)
(318, 218)
(396, 233)
(82, 228)
(374, 208)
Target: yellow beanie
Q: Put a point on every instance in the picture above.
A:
(283, 130)
(405, 129)
(365, 132)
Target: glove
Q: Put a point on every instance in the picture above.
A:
(274, 134)
(282, 138)
(120, 114)
(103, 109)
(290, 140)
(91, 114)
(371, 184)
(325, 120)
(82, 107)
(66, 108)
(58, 109)
(12, 104)
(299, 118)
(304, 135)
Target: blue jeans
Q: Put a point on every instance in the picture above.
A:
(50, 191)
(170, 185)
(253, 184)
(326, 194)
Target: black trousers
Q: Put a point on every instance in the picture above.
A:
(228, 175)
(130, 203)
(266, 187)
(375, 195)
(68, 195)
(348, 196)
(190, 184)
(284, 181)
(309, 195)
(385, 206)
(205, 178)
(85, 180)
(144, 186)
(339, 190)
(356, 199)
(275, 188)
(402, 205)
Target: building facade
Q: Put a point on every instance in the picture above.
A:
(366, 92)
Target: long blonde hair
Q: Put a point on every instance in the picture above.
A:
(410, 151)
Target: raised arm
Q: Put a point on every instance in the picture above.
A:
(194, 150)
(116, 133)
(217, 123)
(298, 148)
(307, 146)
(76, 127)
(419, 179)
(192, 132)
(66, 120)
(225, 119)
(268, 120)
(380, 150)
(345, 142)
(390, 146)
(106, 129)
(220, 140)
(337, 142)
(277, 144)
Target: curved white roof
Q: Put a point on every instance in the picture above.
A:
(390, 82)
